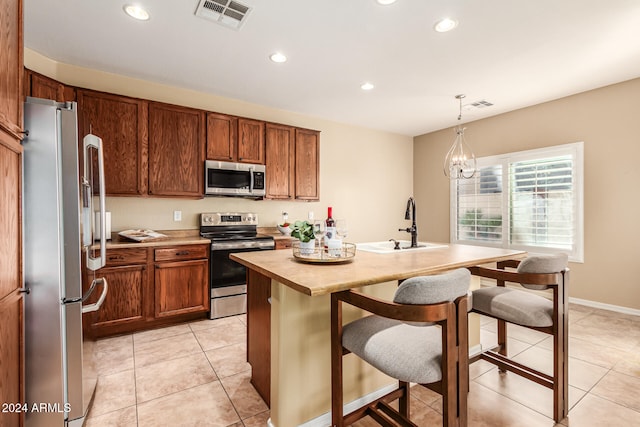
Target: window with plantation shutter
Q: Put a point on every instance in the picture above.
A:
(529, 200)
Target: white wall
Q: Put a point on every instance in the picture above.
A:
(365, 175)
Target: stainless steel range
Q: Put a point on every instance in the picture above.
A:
(230, 232)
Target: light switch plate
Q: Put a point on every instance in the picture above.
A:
(177, 215)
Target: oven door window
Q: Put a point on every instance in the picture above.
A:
(223, 178)
(225, 272)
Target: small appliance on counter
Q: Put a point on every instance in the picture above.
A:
(230, 232)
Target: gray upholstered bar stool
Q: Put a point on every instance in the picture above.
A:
(527, 309)
(420, 337)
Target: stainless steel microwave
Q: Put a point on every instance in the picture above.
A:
(234, 179)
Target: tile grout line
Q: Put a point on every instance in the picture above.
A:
(218, 377)
(608, 399)
(135, 378)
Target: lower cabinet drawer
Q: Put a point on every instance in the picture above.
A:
(284, 243)
(182, 253)
(126, 256)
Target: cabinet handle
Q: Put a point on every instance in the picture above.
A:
(24, 291)
(181, 253)
(116, 257)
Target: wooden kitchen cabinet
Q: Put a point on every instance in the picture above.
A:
(39, 86)
(181, 280)
(12, 357)
(121, 122)
(279, 156)
(149, 287)
(125, 299)
(126, 307)
(284, 243)
(12, 364)
(307, 165)
(233, 139)
(176, 151)
(250, 141)
(292, 162)
(11, 299)
(11, 71)
(222, 137)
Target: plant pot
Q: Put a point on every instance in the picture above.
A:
(307, 248)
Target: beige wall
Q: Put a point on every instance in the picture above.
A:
(365, 175)
(608, 121)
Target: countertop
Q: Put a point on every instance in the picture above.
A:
(367, 268)
(174, 238)
(273, 231)
(178, 237)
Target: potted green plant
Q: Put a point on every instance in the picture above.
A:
(303, 231)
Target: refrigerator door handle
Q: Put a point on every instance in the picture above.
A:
(93, 263)
(96, 306)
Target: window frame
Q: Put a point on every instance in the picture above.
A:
(576, 150)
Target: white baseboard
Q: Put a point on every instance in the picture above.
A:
(475, 350)
(603, 306)
(325, 419)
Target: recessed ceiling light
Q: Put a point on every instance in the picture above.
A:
(136, 12)
(278, 57)
(445, 24)
(385, 2)
(366, 86)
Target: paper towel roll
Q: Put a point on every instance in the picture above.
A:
(96, 223)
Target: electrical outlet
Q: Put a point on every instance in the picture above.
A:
(177, 215)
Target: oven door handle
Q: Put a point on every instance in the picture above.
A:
(225, 246)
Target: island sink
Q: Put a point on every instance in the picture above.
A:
(388, 247)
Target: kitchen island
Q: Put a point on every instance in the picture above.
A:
(288, 322)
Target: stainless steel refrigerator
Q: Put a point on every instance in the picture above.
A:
(60, 374)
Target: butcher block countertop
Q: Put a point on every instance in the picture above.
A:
(367, 268)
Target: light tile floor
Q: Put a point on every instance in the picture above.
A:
(196, 374)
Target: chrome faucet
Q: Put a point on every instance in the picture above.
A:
(411, 214)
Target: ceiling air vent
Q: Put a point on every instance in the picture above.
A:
(477, 105)
(229, 13)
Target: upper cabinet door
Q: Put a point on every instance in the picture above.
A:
(222, 137)
(233, 139)
(307, 165)
(176, 151)
(11, 68)
(280, 146)
(250, 141)
(121, 122)
(40, 86)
